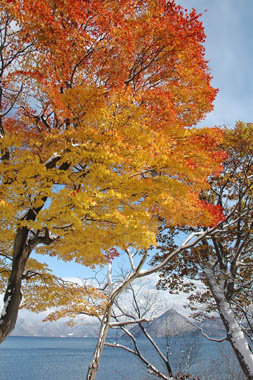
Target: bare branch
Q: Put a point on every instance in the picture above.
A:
(212, 339)
(124, 323)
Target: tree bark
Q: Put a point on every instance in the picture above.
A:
(93, 366)
(105, 323)
(21, 252)
(13, 295)
(235, 334)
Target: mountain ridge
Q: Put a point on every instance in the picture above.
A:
(169, 323)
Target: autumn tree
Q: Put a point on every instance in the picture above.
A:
(223, 261)
(113, 288)
(98, 99)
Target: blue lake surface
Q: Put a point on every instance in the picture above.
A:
(24, 358)
(36, 358)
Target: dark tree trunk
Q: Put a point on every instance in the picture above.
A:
(13, 295)
(21, 252)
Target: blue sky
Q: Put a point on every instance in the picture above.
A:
(228, 26)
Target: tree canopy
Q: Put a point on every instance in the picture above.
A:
(98, 102)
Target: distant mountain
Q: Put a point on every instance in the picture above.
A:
(35, 327)
(170, 323)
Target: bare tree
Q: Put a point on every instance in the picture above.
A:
(112, 289)
(223, 261)
(140, 312)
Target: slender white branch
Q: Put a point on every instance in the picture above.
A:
(129, 279)
(189, 242)
(116, 345)
(185, 245)
(212, 339)
(109, 277)
(130, 256)
(124, 323)
(150, 367)
(162, 356)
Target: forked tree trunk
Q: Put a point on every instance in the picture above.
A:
(105, 323)
(13, 296)
(94, 364)
(21, 252)
(235, 334)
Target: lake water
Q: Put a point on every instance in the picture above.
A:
(36, 358)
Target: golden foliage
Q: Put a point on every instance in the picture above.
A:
(102, 146)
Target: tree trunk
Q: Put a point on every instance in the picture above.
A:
(13, 295)
(105, 323)
(93, 367)
(235, 334)
(21, 252)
